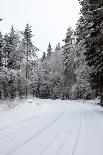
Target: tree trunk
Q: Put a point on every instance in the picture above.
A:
(26, 83)
(27, 71)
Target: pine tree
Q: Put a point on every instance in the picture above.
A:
(49, 50)
(29, 51)
(90, 29)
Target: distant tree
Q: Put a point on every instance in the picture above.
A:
(56, 71)
(49, 73)
(58, 47)
(49, 49)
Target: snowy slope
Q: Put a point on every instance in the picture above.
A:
(46, 127)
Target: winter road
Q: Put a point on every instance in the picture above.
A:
(62, 128)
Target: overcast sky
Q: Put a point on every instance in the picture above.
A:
(49, 18)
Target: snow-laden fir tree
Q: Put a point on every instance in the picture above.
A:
(90, 29)
(10, 49)
(82, 88)
(68, 63)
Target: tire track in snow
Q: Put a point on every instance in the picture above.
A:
(67, 136)
(38, 133)
(21, 129)
(77, 138)
(47, 134)
(58, 134)
(23, 121)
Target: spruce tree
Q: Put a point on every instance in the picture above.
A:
(49, 49)
(10, 49)
(90, 30)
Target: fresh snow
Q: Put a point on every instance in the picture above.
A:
(51, 127)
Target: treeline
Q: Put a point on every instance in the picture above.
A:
(61, 73)
(72, 71)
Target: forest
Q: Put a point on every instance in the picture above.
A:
(72, 71)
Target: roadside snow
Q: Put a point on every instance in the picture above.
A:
(22, 110)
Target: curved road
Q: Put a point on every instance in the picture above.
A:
(63, 129)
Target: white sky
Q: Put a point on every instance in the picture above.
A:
(49, 18)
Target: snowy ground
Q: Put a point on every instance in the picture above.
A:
(47, 127)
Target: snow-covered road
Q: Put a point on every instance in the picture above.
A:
(45, 127)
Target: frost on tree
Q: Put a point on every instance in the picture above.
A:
(90, 29)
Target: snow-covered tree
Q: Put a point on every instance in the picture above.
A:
(90, 29)
(56, 71)
(10, 49)
(68, 63)
(82, 86)
(29, 51)
(10, 64)
(49, 75)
